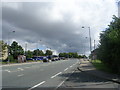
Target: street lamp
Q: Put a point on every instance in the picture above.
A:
(89, 37)
(37, 46)
(8, 45)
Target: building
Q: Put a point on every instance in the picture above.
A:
(21, 58)
(119, 9)
(4, 54)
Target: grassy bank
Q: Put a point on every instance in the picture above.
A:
(101, 66)
(17, 62)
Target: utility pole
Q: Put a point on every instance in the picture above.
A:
(94, 44)
(90, 39)
(25, 48)
(8, 45)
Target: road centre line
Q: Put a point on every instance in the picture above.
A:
(66, 69)
(20, 69)
(7, 70)
(63, 81)
(72, 71)
(60, 84)
(20, 75)
(37, 85)
(56, 74)
(27, 67)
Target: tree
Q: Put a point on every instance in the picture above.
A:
(3, 49)
(48, 52)
(69, 55)
(109, 48)
(38, 52)
(29, 54)
(15, 49)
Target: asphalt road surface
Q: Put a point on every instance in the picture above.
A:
(55, 75)
(37, 75)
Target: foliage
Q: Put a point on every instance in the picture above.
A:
(69, 55)
(29, 54)
(38, 52)
(11, 58)
(100, 65)
(48, 52)
(109, 48)
(15, 49)
(2, 47)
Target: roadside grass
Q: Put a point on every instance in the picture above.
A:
(101, 66)
(17, 62)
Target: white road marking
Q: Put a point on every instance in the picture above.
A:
(21, 69)
(66, 69)
(56, 74)
(27, 67)
(60, 84)
(72, 71)
(15, 71)
(7, 70)
(20, 75)
(71, 66)
(37, 85)
(63, 81)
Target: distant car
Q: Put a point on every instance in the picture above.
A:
(29, 59)
(53, 59)
(45, 59)
(58, 58)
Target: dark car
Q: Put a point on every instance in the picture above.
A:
(29, 59)
(45, 59)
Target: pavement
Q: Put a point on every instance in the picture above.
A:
(87, 67)
(86, 76)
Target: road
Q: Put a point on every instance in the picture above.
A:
(35, 75)
(55, 75)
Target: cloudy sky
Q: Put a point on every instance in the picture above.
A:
(56, 24)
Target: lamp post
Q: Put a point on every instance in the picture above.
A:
(94, 45)
(37, 47)
(89, 37)
(8, 45)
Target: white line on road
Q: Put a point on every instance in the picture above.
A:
(7, 70)
(66, 69)
(60, 84)
(21, 69)
(72, 71)
(63, 82)
(71, 66)
(37, 85)
(56, 74)
(27, 67)
(20, 75)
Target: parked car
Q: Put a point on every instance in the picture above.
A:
(29, 59)
(53, 59)
(63, 58)
(45, 59)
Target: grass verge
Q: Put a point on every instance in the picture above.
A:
(101, 66)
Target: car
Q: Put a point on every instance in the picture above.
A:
(45, 59)
(29, 59)
(53, 59)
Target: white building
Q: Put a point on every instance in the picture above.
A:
(119, 9)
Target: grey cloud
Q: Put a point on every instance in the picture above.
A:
(60, 35)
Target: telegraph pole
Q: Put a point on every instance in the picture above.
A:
(90, 39)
